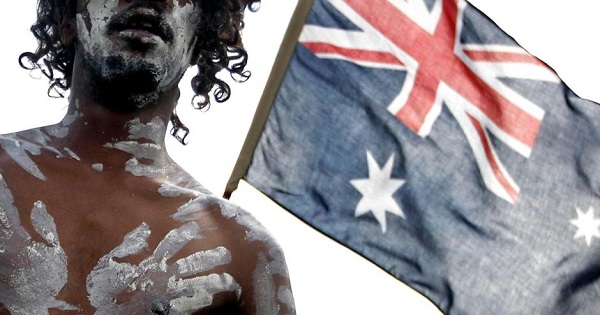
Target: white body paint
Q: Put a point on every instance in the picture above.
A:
(18, 145)
(98, 167)
(197, 293)
(177, 182)
(178, 285)
(31, 273)
(170, 60)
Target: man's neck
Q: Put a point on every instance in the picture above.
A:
(94, 131)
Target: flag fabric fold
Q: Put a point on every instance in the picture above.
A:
(421, 136)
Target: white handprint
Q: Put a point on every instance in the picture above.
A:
(31, 273)
(119, 287)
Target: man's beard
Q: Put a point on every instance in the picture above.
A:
(125, 83)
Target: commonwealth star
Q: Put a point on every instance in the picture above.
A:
(587, 226)
(377, 191)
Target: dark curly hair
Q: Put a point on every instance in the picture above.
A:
(219, 47)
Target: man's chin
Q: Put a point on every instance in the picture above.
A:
(121, 80)
(139, 101)
(128, 93)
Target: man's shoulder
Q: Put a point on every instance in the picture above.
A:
(32, 141)
(230, 225)
(13, 148)
(203, 203)
(226, 210)
(17, 149)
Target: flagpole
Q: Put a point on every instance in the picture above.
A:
(286, 50)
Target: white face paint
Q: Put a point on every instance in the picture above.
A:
(133, 47)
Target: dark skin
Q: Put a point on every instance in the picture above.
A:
(94, 209)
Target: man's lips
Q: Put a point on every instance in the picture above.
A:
(143, 24)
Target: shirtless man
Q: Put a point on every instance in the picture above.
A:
(95, 217)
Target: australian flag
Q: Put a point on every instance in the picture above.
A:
(421, 136)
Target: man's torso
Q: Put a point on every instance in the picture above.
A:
(90, 237)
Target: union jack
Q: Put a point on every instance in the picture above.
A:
(424, 40)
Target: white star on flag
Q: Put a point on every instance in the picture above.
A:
(377, 191)
(587, 225)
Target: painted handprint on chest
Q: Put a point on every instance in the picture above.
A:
(31, 273)
(154, 284)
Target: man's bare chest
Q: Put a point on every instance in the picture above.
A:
(114, 254)
(118, 228)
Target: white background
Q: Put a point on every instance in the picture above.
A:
(326, 278)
